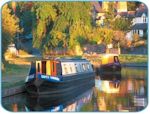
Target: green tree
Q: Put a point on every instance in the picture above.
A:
(60, 24)
(121, 24)
(10, 26)
(132, 5)
(109, 15)
(23, 11)
(136, 37)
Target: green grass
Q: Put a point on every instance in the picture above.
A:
(130, 58)
(12, 69)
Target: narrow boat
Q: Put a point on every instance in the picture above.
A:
(57, 76)
(105, 63)
(110, 62)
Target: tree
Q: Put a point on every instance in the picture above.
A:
(10, 26)
(136, 37)
(60, 24)
(119, 37)
(109, 15)
(121, 24)
(132, 5)
(24, 13)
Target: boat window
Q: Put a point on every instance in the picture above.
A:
(58, 68)
(80, 68)
(88, 67)
(38, 68)
(53, 67)
(43, 67)
(116, 59)
(76, 67)
(32, 69)
(83, 66)
(65, 69)
(71, 68)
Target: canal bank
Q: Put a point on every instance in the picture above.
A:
(13, 90)
(134, 64)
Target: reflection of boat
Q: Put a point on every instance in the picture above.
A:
(109, 82)
(67, 102)
(57, 76)
(110, 76)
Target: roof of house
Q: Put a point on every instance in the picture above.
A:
(140, 12)
(123, 14)
(97, 6)
(142, 9)
(129, 14)
(142, 26)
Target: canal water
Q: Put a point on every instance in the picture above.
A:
(113, 92)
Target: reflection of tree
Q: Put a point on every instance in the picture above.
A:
(15, 107)
(122, 101)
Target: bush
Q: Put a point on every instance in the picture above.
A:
(9, 55)
(3, 67)
(22, 52)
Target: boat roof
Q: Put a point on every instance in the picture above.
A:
(64, 59)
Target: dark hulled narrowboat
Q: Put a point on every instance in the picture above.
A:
(57, 76)
(110, 62)
(105, 63)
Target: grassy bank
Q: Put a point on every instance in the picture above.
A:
(14, 75)
(130, 58)
(15, 70)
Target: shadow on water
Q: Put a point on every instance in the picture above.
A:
(71, 101)
(66, 102)
(124, 91)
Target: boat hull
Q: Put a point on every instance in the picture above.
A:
(68, 84)
(110, 67)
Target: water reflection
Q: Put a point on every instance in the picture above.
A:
(108, 82)
(121, 91)
(66, 103)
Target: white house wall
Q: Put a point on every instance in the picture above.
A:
(142, 19)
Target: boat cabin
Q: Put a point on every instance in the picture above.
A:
(48, 67)
(60, 67)
(109, 58)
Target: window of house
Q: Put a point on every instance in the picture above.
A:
(144, 19)
(138, 31)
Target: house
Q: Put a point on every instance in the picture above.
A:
(12, 49)
(119, 6)
(100, 8)
(140, 22)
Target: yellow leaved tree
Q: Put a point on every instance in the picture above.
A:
(10, 26)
